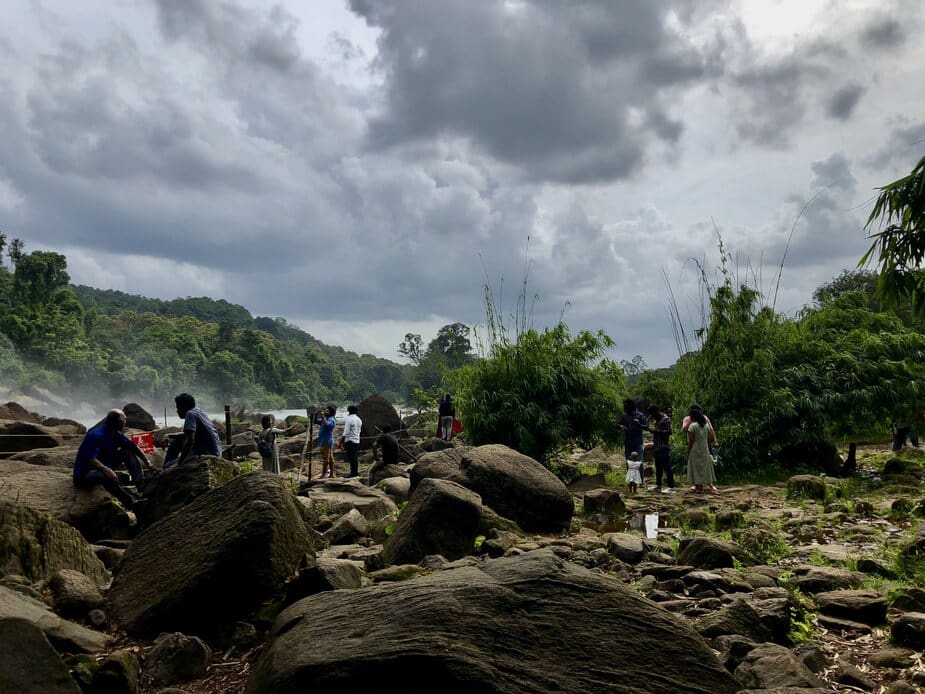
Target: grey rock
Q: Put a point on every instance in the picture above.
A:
(347, 529)
(514, 485)
(475, 629)
(118, 673)
(29, 663)
(442, 517)
(240, 541)
(74, 593)
(707, 553)
(866, 606)
(845, 673)
(909, 630)
(63, 635)
(35, 545)
(898, 658)
(769, 665)
(178, 658)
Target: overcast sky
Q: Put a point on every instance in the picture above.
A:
(362, 168)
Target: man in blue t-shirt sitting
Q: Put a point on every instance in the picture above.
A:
(103, 450)
(199, 434)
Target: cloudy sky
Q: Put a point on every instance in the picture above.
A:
(362, 168)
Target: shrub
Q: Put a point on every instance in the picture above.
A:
(542, 392)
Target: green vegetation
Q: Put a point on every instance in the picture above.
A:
(900, 243)
(541, 392)
(112, 344)
(785, 389)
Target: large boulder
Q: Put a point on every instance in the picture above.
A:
(336, 497)
(28, 663)
(376, 412)
(64, 635)
(137, 417)
(35, 545)
(178, 487)
(442, 517)
(506, 625)
(806, 487)
(15, 412)
(512, 484)
(212, 562)
(16, 437)
(93, 512)
(58, 456)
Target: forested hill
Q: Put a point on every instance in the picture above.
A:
(108, 344)
(254, 359)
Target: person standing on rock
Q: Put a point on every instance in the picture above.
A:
(267, 435)
(350, 439)
(632, 424)
(104, 449)
(447, 412)
(199, 434)
(700, 436)
(327, 422)
(661, 450)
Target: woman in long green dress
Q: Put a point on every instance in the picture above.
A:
(699, 461)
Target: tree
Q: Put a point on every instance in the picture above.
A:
(653, 386)
(635, 367)
(16, 251)
(452, 345)
(541, 393)
(900, 243)
(412, 348)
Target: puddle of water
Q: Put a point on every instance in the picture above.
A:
(638, 521)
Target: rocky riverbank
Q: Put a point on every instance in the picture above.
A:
(471, 569)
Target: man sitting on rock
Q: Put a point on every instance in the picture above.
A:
(199, 434)
(385, 452)
(104, 449)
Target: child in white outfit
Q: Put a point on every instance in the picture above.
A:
(633, 471)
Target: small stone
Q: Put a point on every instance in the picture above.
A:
(178, 658)
(74, 593)
(97, 618)
(806, 487)
(909, 630)
(850, 675)
(862, 507)
(117, 674)
(812, 657)
(898, 658)
(728, 519)
(900, 687)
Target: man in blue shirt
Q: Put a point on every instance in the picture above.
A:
(327, 422)
(104, 449)
(199, 434)
(631, 424)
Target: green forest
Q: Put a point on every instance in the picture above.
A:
(111, 344)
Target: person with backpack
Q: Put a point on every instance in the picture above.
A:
(266, 443)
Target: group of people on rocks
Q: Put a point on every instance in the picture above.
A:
(701, 446)
(105, 448)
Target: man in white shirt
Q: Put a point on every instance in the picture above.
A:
(351, 439)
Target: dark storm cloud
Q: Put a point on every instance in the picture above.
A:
(843, 102)
(548, 87)
(883, 32)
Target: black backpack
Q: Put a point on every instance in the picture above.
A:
(264, 448)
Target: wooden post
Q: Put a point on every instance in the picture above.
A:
(228, 424)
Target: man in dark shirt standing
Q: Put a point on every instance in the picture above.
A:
(104, 449)
(661, 433)
(631, 424)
